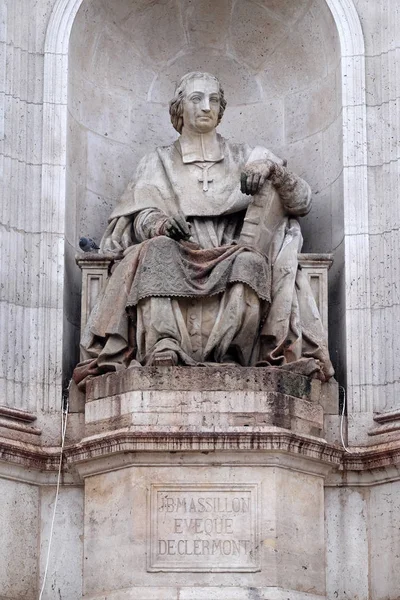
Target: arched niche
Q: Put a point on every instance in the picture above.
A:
(280, 64)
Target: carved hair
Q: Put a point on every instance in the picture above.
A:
(176, 104)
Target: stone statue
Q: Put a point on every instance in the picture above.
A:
(208, 235)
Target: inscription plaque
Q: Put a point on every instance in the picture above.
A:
(203, 527)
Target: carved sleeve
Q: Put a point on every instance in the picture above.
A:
(294, 192)
(149, 223)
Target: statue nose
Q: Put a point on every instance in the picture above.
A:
(205, 107)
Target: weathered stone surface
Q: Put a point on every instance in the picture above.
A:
(19, 425)
(235, 76)
(199, 400)
(384, 531)
(135, 80)
(307, 112)
(206, 22)
(251, 21)
(218, 378)
(19, 526)
(286, 11)
(202, 412)
(65, 566)
(161, 508)
(105, 111)
(329, 397)
(144, 18)
(104, 174)
(22, 434)
(254, 123)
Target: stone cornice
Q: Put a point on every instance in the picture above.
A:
(29, 456)
(379, 463)
(372, 457)
(276, 441)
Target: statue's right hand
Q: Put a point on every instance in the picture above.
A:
(118, 236)
(177, 228)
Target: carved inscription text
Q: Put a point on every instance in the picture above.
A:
(203, 528)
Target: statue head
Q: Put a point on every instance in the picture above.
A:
(176, 106)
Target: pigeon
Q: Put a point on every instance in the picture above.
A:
(87, 244)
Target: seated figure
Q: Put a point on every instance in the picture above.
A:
(190, 288)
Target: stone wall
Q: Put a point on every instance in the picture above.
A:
(26, 509)
(38, 291)
(363, 541)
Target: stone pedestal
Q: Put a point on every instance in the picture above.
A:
(204, 484)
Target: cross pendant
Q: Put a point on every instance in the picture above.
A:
(204, 179)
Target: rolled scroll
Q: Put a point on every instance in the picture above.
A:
(265, 212)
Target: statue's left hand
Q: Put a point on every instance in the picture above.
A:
(255, 174)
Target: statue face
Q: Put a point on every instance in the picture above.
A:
(201, 105)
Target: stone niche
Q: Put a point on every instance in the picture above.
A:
(279, 62)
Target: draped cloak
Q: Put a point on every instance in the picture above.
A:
(204, 297)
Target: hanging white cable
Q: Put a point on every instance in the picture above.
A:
(64, 418)
(342, 420)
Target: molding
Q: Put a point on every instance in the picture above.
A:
(60, 25)
(367, 458)
(386, 422)
(17, 414)
(364, 466)
(349, 27)
(366, 478)
(14, 420)
(316, 260)
(29, 456)
(356, 209)
(171, 460)
(273, 441)
(387, 417)
(389, 427)
(30, 476)
(17, 425)
(360, 460)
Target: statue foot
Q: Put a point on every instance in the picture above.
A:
(228, 359)
(164, 358)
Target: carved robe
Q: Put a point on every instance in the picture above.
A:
(209, 299)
